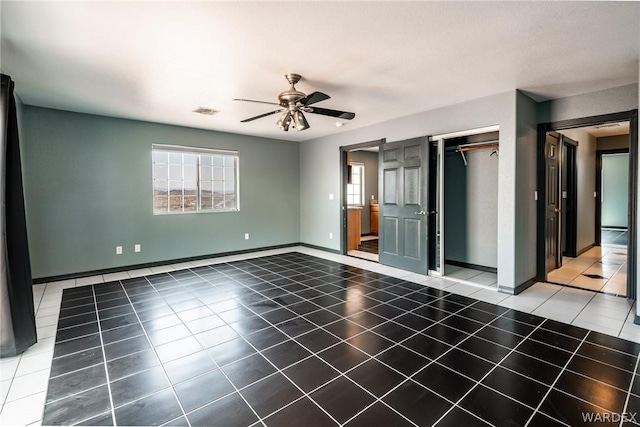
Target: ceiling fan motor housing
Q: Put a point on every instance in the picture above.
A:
(293, 103)
(290, 97)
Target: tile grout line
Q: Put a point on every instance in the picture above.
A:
(583, 308)
(21, 356)
(342, 340)
(564, 368)
(626, 402)
(312, 353)
(624, 322)
(493, 368)
(104, 356)
(409, 378)
(236, 390)
(135, 312)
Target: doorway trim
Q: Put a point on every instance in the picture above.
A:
(630, 116)
(344, 176)
(571, 207)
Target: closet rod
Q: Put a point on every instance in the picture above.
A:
(481, 147)
(474, 144)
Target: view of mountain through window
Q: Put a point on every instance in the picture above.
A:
(193, 180)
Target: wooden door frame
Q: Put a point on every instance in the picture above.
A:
(630, 116)
(344, 176)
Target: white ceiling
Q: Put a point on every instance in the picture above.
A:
(609, 129)
(158, 61)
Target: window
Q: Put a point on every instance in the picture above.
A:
(194, 180)
(355, 190)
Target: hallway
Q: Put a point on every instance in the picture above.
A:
(601, 268)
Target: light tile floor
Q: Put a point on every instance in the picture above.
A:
(471, 275)
(24, 378)
(601, 268)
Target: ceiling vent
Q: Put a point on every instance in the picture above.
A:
(206, 111)
(610, 125)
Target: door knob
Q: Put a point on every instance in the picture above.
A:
(420, 213)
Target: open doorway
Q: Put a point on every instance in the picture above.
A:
(586, 194)
(360, 187)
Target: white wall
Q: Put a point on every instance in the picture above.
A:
(320, 174)
(613, 142)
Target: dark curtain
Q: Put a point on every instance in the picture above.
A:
(17, 319)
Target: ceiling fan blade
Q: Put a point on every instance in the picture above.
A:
(314, 97)
(333, 113)
(261, 116)
(259, 102)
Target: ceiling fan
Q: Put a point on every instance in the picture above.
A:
(293, 104)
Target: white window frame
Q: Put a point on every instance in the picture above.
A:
(351, 187)
(225, 155)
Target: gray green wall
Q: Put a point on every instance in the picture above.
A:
(615, 190)
(471, 208)
(88, 189)
(370, 160)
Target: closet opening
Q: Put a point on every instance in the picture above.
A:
(466, 247)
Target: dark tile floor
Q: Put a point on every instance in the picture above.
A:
(370, 246)
(294, 340)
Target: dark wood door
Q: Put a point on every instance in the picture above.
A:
(552, 202)
(403, 205)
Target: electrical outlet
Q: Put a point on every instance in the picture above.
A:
(330, 196)
(330, 235)
(137, 248)
(246, 236)
(118, 250)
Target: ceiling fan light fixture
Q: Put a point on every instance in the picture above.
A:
(284, 121)
(300, 121)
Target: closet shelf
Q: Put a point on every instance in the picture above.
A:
(475, 146)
